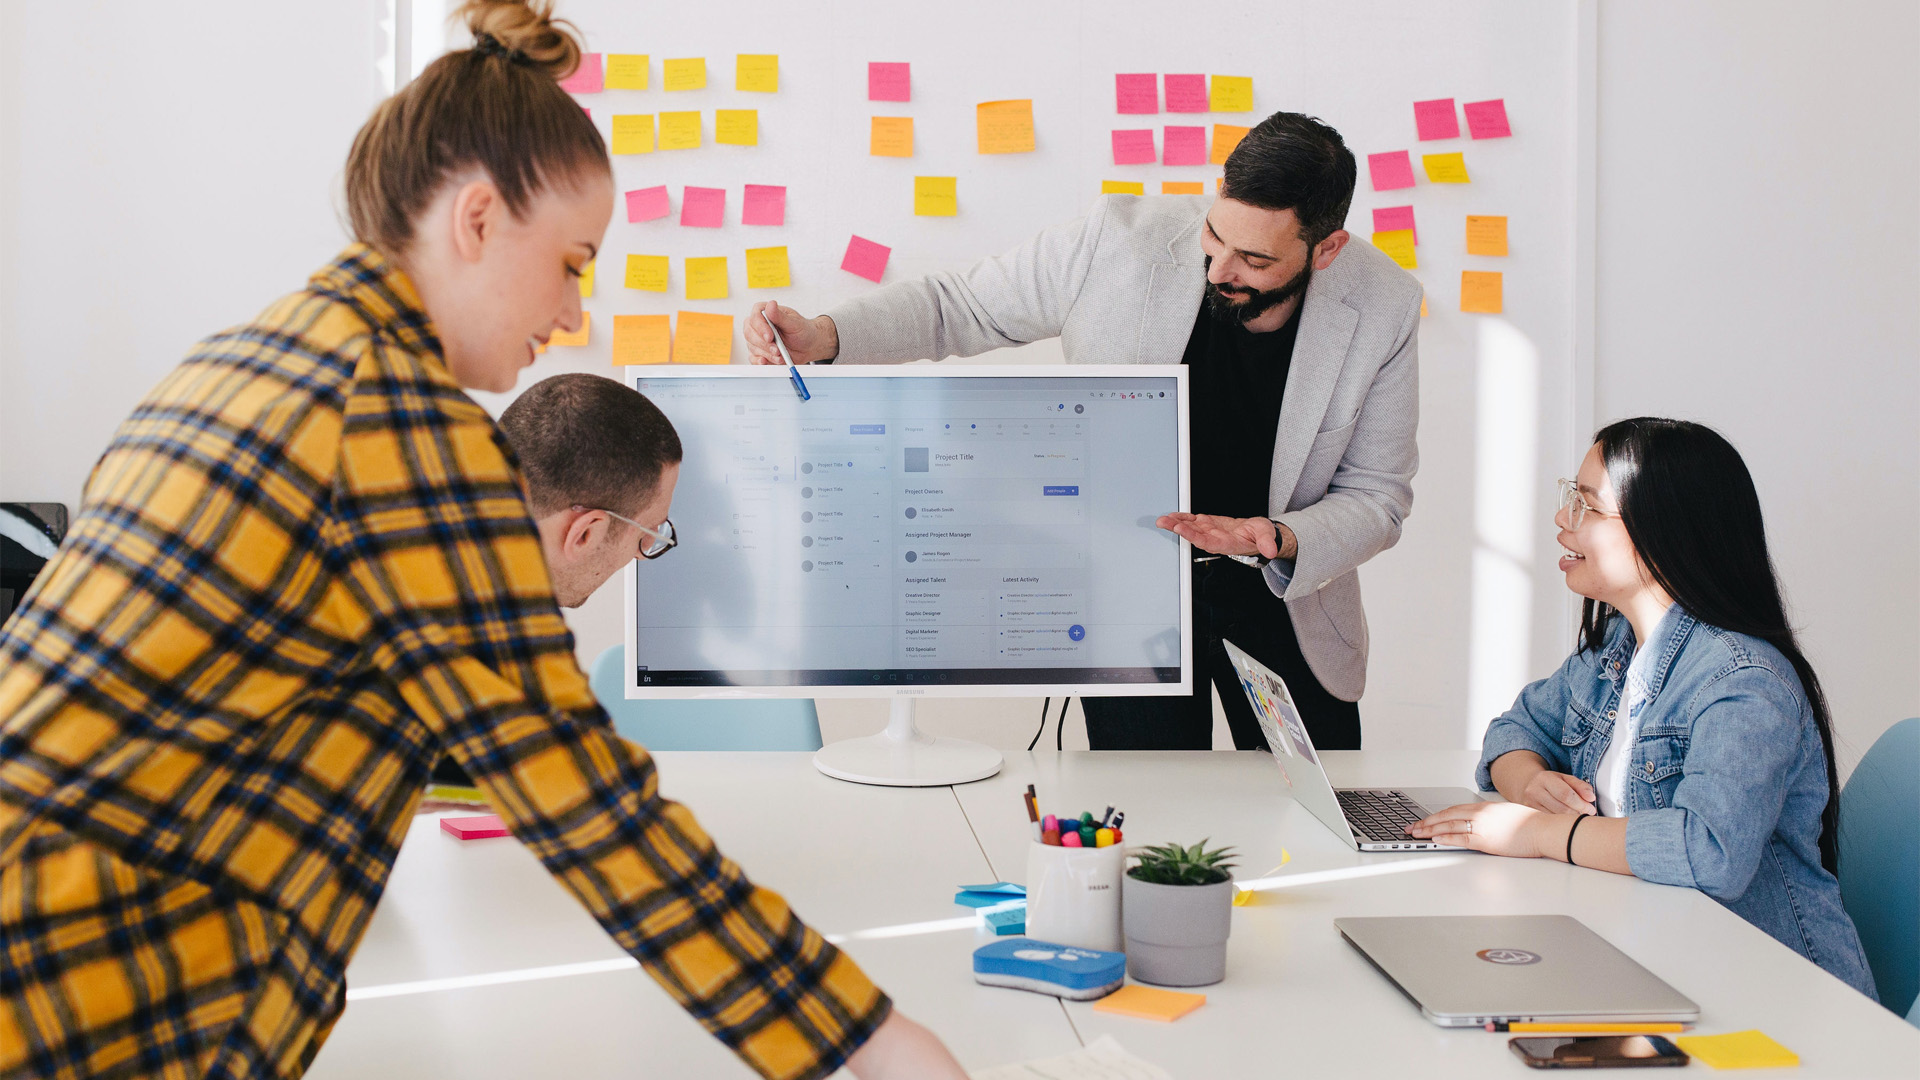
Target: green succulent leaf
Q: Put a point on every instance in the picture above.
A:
(1172, 864)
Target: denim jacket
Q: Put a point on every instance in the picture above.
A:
(1727, 779)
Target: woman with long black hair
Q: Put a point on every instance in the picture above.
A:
(1687, 741)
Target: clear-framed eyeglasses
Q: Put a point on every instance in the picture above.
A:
(1577, 506)
(658, 541)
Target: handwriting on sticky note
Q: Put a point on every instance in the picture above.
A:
(686, 74)
(1486, 235)
(1738, 1050)
(1134, 147)
(756, 72)
(1187, 93)
(707, 278)
(1231, 93)
(1182, 187)
(892, 137)
(767, 268)
(586, 280)
(703, 207)
(701, 338)
(1398, 244)
(736, 127)
(1005, 127)
(1436, 119)
(1391, 170)
(936, 196)
(642, 339)
(1184, 146)
(647, 204)
(1487, 119)
(1123, 187)
(1225, 138)
(626, 71)
(889, 82)
(679, 131)
(1445, 168)
(588, 78)
(766, 204)
(1389, 218)
(866, 258)
(633, 133)
(577, 337)
(1135, 94)
(648, 273)
(1480, 291)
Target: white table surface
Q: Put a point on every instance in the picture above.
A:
(878, 867)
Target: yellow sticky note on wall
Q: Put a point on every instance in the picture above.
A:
(1230, 93)
(736, 127)
(1445, 168)
(767, 268)
(758, 72)
(936, 196)
(700, 338)
(586, 279)
(1738, 1050)
(1182, 187)
(707, 278)
(1123, 187)
(679, 131)
(1005, 127)
(1398, 244)
(578, 337)
(1225, 138)
(647, 272)
(633, 133)
(1486, 235)
(690, 74)
(626, 71)
(892, 137)
(1480, 291)
(641, 339)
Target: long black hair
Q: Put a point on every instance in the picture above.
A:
(1693, 515)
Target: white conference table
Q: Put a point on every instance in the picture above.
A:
(876, 868)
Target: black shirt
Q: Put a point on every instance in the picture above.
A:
(1235, 383)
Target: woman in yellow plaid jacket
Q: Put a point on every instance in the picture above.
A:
(304, 569)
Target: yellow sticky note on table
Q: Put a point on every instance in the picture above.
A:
(892, 137)
(1225, 138)
(626, 71)
(1123, 187)
(936, 196)
(1005, 127)
(1149, 1003)
(736, 127)
(647, 272)
(1398, 244)
(1445, 168)
(700, 338)
(679, 131)
(707, 278)
(1182, 187)
(1480, 291)
(1737, 1050)
(586, 279)
(578, 337)
(1230, 93)
(758, 72)
(1486, 235)
(690, 74)
(767, 268)
(633, 133)
(641, 339)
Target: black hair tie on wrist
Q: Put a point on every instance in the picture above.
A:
(1574, 829)
(487, 45)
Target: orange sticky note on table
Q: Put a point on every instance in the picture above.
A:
(1738, 1050)
(936, 196)
(1445, 168)
(1149, 1003)
(578, 337)
(1480, 291)
(641, 339)
(701, 338)
(1486, 235)
(1182, 187)
(1398, 244)
(1225, 138)
(626, 71)
(1123, 187)
(1005, 127)
(892, 137)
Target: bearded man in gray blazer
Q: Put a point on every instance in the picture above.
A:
(1301, 349)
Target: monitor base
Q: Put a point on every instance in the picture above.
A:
(904, 756)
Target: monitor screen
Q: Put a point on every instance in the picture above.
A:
(918, 529)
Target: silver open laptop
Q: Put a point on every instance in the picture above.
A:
(1471, 970)
(1368, 819)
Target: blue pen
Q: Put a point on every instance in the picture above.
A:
(793, 370)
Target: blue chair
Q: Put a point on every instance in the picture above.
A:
(667, 724)
(1880, 863)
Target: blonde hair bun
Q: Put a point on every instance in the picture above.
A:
(526, 27)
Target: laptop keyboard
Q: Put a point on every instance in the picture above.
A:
(1380, 816)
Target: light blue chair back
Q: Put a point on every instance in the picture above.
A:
(1880, 863)
(665, 724)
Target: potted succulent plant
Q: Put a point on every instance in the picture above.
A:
(1177, 904)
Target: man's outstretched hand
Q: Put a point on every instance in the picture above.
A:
(1232, 536)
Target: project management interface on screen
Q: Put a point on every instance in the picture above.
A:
(925, 530)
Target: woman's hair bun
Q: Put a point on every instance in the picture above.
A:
(526, 27)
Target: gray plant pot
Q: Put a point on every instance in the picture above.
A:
(1176, 934)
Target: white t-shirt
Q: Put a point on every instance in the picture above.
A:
(1610, 780)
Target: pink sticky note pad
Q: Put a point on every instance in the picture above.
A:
(866, 258)
(1390, 218)
(647, 204)
(889, 82)
(588, 78)
(704, 207)
(474, 828)
(1136, 93)
(1187, 93)
(1185, 146)
(1133, 147)
(1436, 119)
(766, 205)
(1390, 170)
(1487, 119)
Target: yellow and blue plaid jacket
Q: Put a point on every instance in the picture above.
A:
(303, 569)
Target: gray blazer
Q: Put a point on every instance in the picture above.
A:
(1123, 285)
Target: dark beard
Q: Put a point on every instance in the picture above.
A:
(1241, 312)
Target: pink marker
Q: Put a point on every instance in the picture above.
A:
(1071, 839)
(1049, 824)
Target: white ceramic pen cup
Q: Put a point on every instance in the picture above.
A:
(1073, 895)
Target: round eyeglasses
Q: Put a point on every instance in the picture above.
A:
(1577, 506)
(657, 541)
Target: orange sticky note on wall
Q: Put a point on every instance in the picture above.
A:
(641, 339)
(1480, 291)
(1005, 127)
(578, 337)
(1149, 1003)
(892, 137)
(700, 338)
(1225, 138)
(1486, 235)
(1182, 187)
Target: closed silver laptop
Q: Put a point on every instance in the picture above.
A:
(1473, 970)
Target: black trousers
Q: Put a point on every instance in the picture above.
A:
(1230, 601)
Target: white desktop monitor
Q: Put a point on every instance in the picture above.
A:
(914, 531)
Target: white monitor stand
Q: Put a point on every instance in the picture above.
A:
(905, 756)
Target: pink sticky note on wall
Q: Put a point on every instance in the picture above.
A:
(889, 82)
(1185, 146)
(866, 258)
(1136, 93)
(1390, 218)
(647, 204)
(1436, 119)
(1133, 147)
(1487, 119)
(1187, 93)
(1390, 170)
(766, 205)
(588, 78)
(705, 207)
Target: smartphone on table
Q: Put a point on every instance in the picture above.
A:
(1597, 1051)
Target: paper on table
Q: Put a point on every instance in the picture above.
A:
(1390, 170)
(1398, 244)
(647, 204)
(588, 78)
(889, 82)
(1004, 127)
(1184, 146)
(1737, 1050)
(1187, 93)
(633, 133)
(1231, 93)
(641, 339)
(1133, 147)
(936, 196)
(703, 207)
(1123, 187)
(1389, 218)
(707, 278)
(1225, 138)
(1182, 187)
(626, 71)
(757, 72)
(578, 337)
(1436, 119)
(766, 204)
(1487, 119)
(647, 273)
(687, 74)
(1445, 168)
(767, 268)
(586, 280)
(701, 338)
(1102, 1059)
(892, 137)
(736, 127)
(679, 131)
(1480, 291)
(1136, 94)
(866, 258)
(1486, 235)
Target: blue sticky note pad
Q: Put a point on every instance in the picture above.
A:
(1011, 919)
(1045, 968)
(997, 887)
(981, 899)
